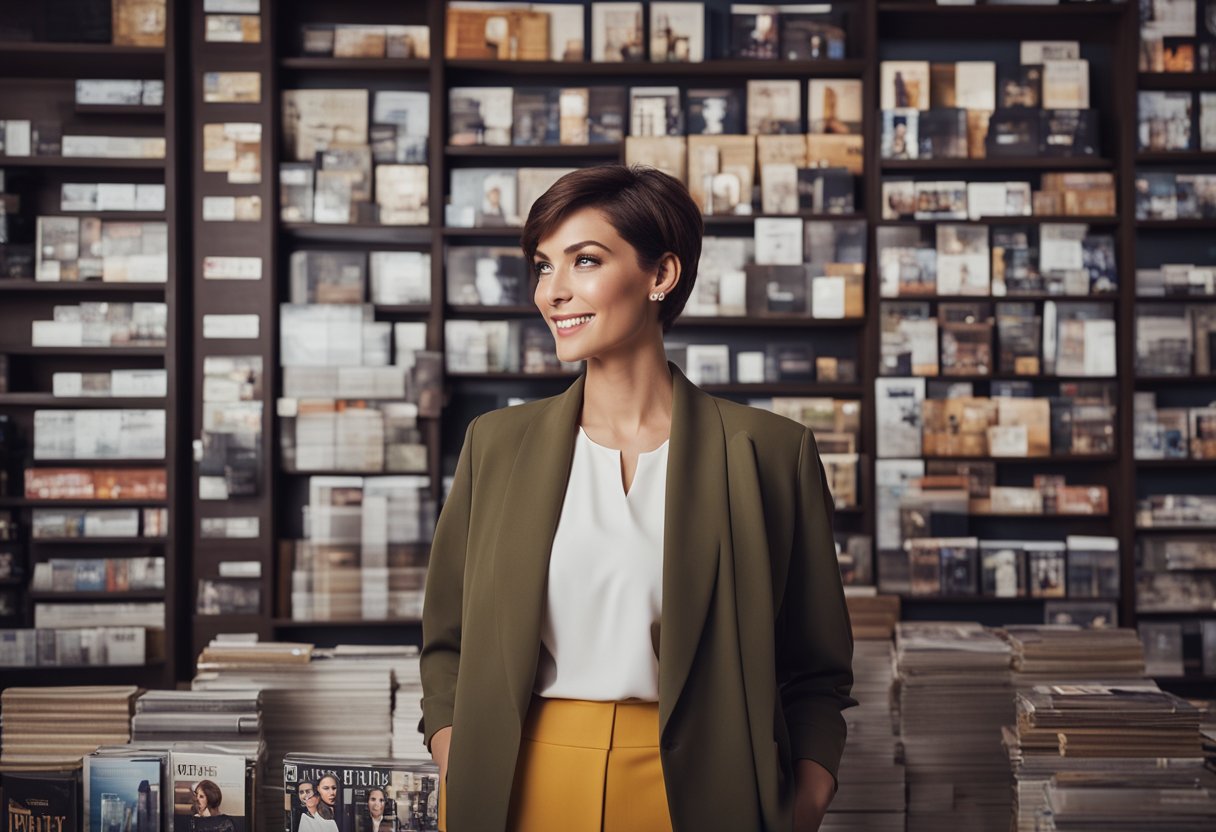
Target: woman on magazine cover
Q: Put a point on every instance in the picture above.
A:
(312, 817)
(634, 616)
(207, 815)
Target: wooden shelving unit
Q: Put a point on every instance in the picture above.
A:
(38, 79)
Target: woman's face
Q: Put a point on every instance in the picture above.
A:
(308, 797)
(585, 271)
(375, 803)
(328, 788)
(200, 800)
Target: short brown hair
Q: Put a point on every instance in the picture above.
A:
(651, 210)
(212, 792)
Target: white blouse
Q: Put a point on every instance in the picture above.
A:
(605, 587)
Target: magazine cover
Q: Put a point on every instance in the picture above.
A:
(121, 794)
(352, 794)
(42, 801)
(208, 792)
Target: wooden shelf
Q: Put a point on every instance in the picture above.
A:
(357, 64)
(98, 352)
(124, 462)
(414, 235)
(791, 322)
(987, 599)
(90, 287)
(512, 376)
(120, 109)
(537, 153)
(1175, 299)
(717, 68)
(33, 59)
(1177, 225)
(403, 309)
(1177, 381)
(48, 400)
(97, 541)
(1082, 10)
(1001, 377)
(1169, 464)
(746, 220)
(1015, 163)
(128, 595)
(1038, 219)
(1176, 80)
(785, 388)
(1037, 297)
(34, 502)
(345, 623)
(1023, 515)
(508, 232)
(1182, 157)
(1179, 529)
(471, 311)
(1054, 459)
(80, 162)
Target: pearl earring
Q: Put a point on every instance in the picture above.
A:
(657, 295)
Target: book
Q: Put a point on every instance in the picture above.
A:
(480, 115)
(363, 790)
(655, 111)
(482, 197)
(714, 112)
(1065, 84)
(904, 85)
(616, 32)
(138, 23)
(40, 800)
(677, 32)
(1164, 120)
(401, 194)
(812, 32)
(774, 106)
(754, 33)
(834, 106)
(120, 788)
(900, 133)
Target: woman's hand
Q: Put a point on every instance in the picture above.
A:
(813, 792)
(440, 743)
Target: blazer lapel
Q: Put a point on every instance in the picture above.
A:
(531, 508)
(695, 513)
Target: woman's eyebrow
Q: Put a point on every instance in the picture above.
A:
(570, 249)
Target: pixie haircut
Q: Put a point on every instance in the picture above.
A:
(652, 211)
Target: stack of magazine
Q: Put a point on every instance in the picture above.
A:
(52, 728)
(871, 774)
(327, 702)
(1115, 756)
(954, 695)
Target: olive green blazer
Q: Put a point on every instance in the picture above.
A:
(754, 644)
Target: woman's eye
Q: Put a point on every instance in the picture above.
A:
(538, 268)
(586, 258)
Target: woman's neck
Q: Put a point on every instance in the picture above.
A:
(628, 398)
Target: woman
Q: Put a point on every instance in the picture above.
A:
(330, 808)
(207, 814)
(311, 817)
(633, 612)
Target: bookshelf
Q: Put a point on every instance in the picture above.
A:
(945, 33)
(36, 84)
(1174, 597)
(258, 523)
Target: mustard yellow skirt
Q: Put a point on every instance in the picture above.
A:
(589, 767)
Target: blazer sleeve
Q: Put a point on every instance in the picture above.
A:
(443, 600)
(814, 634)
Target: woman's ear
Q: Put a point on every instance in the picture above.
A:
(668, 274)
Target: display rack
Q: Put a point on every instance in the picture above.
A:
(36, 83)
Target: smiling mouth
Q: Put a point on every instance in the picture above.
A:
(571, 323)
